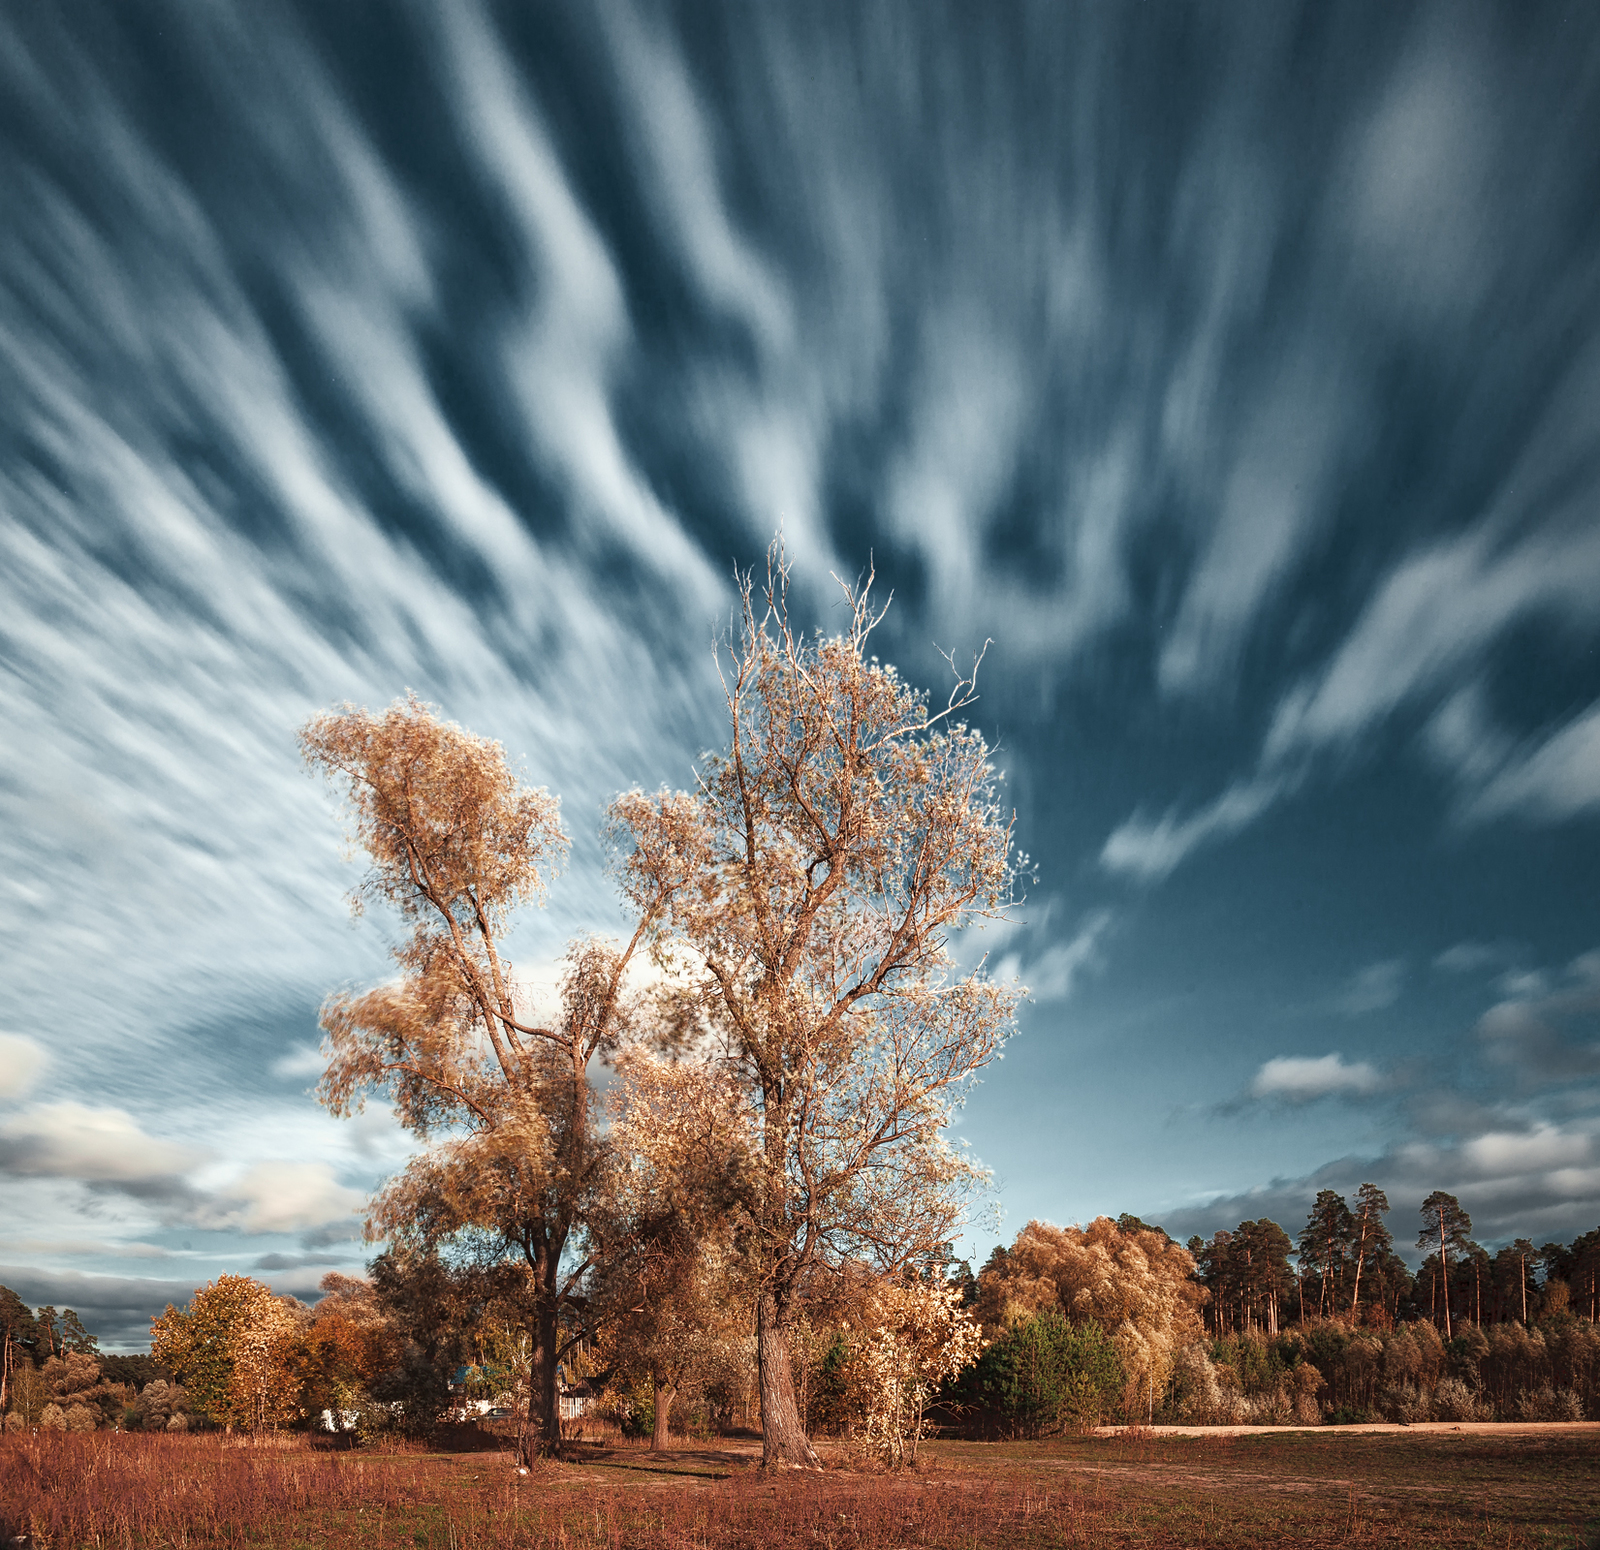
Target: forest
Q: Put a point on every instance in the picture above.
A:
(708, 1186)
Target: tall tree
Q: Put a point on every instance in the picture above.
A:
(1325, 1243)
(457, 843)
(1371, 1237)
(814, 878)
(1445, 1226)
(18, 1335)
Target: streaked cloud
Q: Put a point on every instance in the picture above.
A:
(98, 1145)
(1148, 850)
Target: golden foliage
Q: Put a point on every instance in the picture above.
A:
(1136, 1285)
(234, 1347)
(909, 1335)
(812, 882)
(456, 843)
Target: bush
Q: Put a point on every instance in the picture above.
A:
(1454, 1401)
(1043, 1376)
(1548, 1404)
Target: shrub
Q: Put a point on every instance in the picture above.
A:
(1454, 1401)
(1548, 1404)
(1041, 1377)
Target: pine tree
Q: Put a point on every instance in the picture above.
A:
(1372, 1238)
(1445, 1227)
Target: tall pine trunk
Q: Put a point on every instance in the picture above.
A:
(783, 1434)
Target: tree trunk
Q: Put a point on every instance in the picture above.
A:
(541, 1428)
(783, 1437)
(660, 1437)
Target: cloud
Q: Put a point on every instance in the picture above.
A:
(1273, 503)
(1469, 956)
(303, 1060)
(1052, 975)
(1373, 988)
(674, 141)
(1303, 1078)
(72, 1140)
(276, 1197)
(1549, 781)
(297, 1261)
(116, 1309)
(1148, 851)
(22, 1062)
(1540, 1181)
(1548, 1035)
(558, 363)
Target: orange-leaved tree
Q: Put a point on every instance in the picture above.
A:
(812, 883)
(234, 1349)
(502, 1102)
(1134, 1282)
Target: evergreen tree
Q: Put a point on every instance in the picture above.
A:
(1372, 1238)
(1325, 1246)
(1445, 1227)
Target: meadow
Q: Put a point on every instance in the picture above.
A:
(1512, 1487)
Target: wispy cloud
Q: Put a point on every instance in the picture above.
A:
(1054, 972)
(1549, 1034)
(1149, 849)
(1373, 988)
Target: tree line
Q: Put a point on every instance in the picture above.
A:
(1061, 1329)
(1346, 1267)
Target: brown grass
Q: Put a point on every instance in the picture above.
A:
(1311, 1489)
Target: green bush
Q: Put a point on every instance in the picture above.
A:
(1041, 1377)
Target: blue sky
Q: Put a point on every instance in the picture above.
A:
(1237, 371)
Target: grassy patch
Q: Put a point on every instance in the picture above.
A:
(1301, 1489)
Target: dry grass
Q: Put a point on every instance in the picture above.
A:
(1299, 1489)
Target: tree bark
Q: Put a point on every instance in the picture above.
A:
(783, 1436)
(541, 1429)
(660, 1436)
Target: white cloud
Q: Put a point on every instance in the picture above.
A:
(559, 362)
(1271, 507)
(302, 1060)
(1053, 974)
(1412, 197)
(1149, 851)
(674, 142)
(275, 1197)
(1302, 1078)
(1547, 1034)
(97, 1145)
(1467, 957)
(1557, 778)
(1544, 1147)
(1373, 988)
(22, 1063)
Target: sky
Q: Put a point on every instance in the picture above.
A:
(1234, 369)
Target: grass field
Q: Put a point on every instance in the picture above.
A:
(1511, 1487)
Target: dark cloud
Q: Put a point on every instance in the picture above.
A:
(298, 1261)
